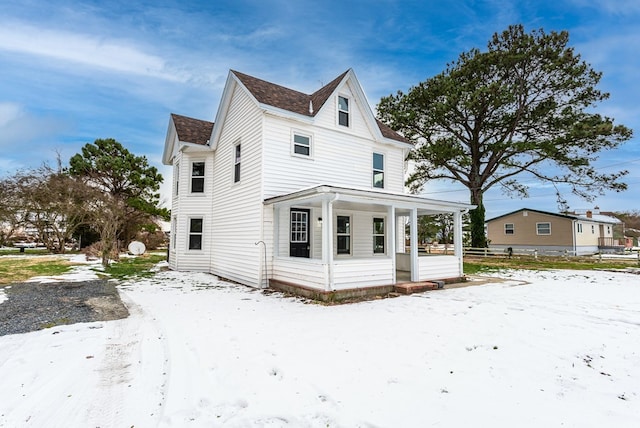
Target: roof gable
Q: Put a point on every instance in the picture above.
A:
(303, 104)
(190, 130)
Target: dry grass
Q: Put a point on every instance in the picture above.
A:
(17, 269)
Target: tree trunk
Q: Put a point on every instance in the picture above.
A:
(478, 237)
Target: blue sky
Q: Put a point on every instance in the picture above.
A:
(73, 71)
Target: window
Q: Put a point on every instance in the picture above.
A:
(608, 230)
(195, 234)
(509, 229)
(236, 164)
(344, 234)
(176, 176)
(197, 177)
(579, 227)
(593, 229)
(301, 145)
(343, 111)
(174, 233)
(543, 228)
(299, 222)
(378, 235)
(378, 170)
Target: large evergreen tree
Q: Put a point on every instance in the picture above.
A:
(524, 106)
(128, 179)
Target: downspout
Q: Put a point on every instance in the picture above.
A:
(573, 236)
(266, 271)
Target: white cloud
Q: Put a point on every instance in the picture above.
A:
(18, 126)
(85, 49)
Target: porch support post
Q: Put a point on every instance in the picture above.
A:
(391, 239)
(276, 230)
(457, 239)
(415, 276)
(327, 243)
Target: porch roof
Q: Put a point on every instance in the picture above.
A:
(370, 198)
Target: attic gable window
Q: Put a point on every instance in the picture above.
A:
(197, 177)
(343, 111)
(236, 164)
(301, 144)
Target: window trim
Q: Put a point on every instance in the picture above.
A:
(579, 227)
(538, 224)
(237, 162)
(309, 136)
(512, 229)
(197, 177)
(375, 170)
(191, 233)
(378, 235)
(346, 112)
(344, 234)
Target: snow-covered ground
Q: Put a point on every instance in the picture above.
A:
(541, 349)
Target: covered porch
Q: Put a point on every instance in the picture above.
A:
(329, 238)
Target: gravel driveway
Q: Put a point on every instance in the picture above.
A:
(34, 306)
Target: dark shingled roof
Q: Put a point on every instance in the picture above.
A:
(298, 102)
(192, 130)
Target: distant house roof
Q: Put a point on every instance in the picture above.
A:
(594, 218)
(192, 130)
(299, 102)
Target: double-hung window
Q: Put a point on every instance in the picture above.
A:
(509, 229)
(197, 177)
(195, 233)
(236, 163)
(378, 235)
(543, 228)
(343, 111)
(378, 170)
(301, 144)
(343, 232)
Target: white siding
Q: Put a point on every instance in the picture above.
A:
(438, 267)
(340, 156)
(297, 270)
(187, 205)
(362, 273)
(237, 207)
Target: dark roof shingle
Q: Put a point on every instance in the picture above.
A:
(298, 102)
(191, 130)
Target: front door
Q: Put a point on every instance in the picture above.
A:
(299, 235)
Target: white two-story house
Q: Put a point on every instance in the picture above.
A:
(306, 191)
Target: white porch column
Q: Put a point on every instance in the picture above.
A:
(327, 243)
(415, 276)
(391, 239)
(276, 231)
(457, 238)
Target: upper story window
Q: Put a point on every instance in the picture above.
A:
(378, 170)
(236, 164)
(343, 111)
(301, 144)
(543, 228)
(608, 230)
(509, 229)
(197, 177)
(343, 234)
(593, 229)
(176, 176)
(579, 227)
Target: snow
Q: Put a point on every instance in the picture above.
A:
(556, 348)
